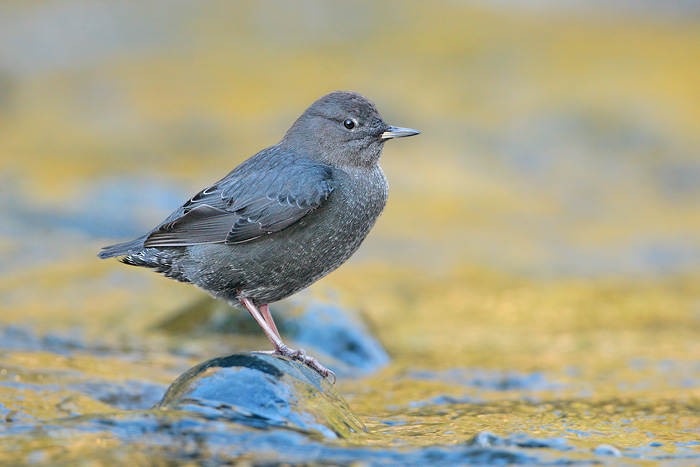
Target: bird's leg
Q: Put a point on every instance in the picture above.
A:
(265, 312)
(280, 347)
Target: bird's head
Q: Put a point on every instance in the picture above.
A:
(342, 129)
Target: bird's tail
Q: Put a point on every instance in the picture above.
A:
(121, 249)
(134, 253)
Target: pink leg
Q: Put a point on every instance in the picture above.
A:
(280, 347)
(265, 312)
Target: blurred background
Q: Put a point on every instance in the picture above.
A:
(547, 216)
(558, 140)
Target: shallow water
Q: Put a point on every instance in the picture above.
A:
(534, 280)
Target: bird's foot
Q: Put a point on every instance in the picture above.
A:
(309, 361)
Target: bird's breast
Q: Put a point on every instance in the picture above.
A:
(359, 198)
(334, 231)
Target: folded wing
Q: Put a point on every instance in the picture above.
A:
(260, 197)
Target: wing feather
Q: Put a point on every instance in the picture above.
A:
(263, 195)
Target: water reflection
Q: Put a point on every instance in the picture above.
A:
(534, 279)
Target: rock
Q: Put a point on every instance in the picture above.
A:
(486, 439)
(339, 333)
(607, 450)
(263, 391)
(125, 395)
(336, 336)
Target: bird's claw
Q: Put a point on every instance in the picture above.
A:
(320, 369)
(298, 355)
(311, 362)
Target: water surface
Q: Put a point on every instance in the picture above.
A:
(534, 278)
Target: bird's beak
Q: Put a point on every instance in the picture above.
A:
(397, 132)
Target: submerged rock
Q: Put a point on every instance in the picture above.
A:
(607, 450)
(339, 333)
(337, 336)
(523, 440)
(263, 391)
(126, 395)
(491, 380)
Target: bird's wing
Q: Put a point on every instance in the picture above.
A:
(254, 200)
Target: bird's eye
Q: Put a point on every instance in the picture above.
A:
(349, 124)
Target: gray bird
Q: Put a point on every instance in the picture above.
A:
(282, 219)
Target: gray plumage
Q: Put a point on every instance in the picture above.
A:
(283, 218)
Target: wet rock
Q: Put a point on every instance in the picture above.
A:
(522, 440)
(263, 391)
(22, 338)
(444, 399)
(66, 343)
(486, 439)
(491, 380)
(339, 333)
(607, 450)
(337, 336)
(129, 395)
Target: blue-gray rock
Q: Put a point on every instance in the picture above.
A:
(263, 391)
(336, 334)
(607, 450)
(340, 333)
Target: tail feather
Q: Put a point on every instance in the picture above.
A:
(133, 253)
(122, 249)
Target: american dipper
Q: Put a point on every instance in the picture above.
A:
(282, 219)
